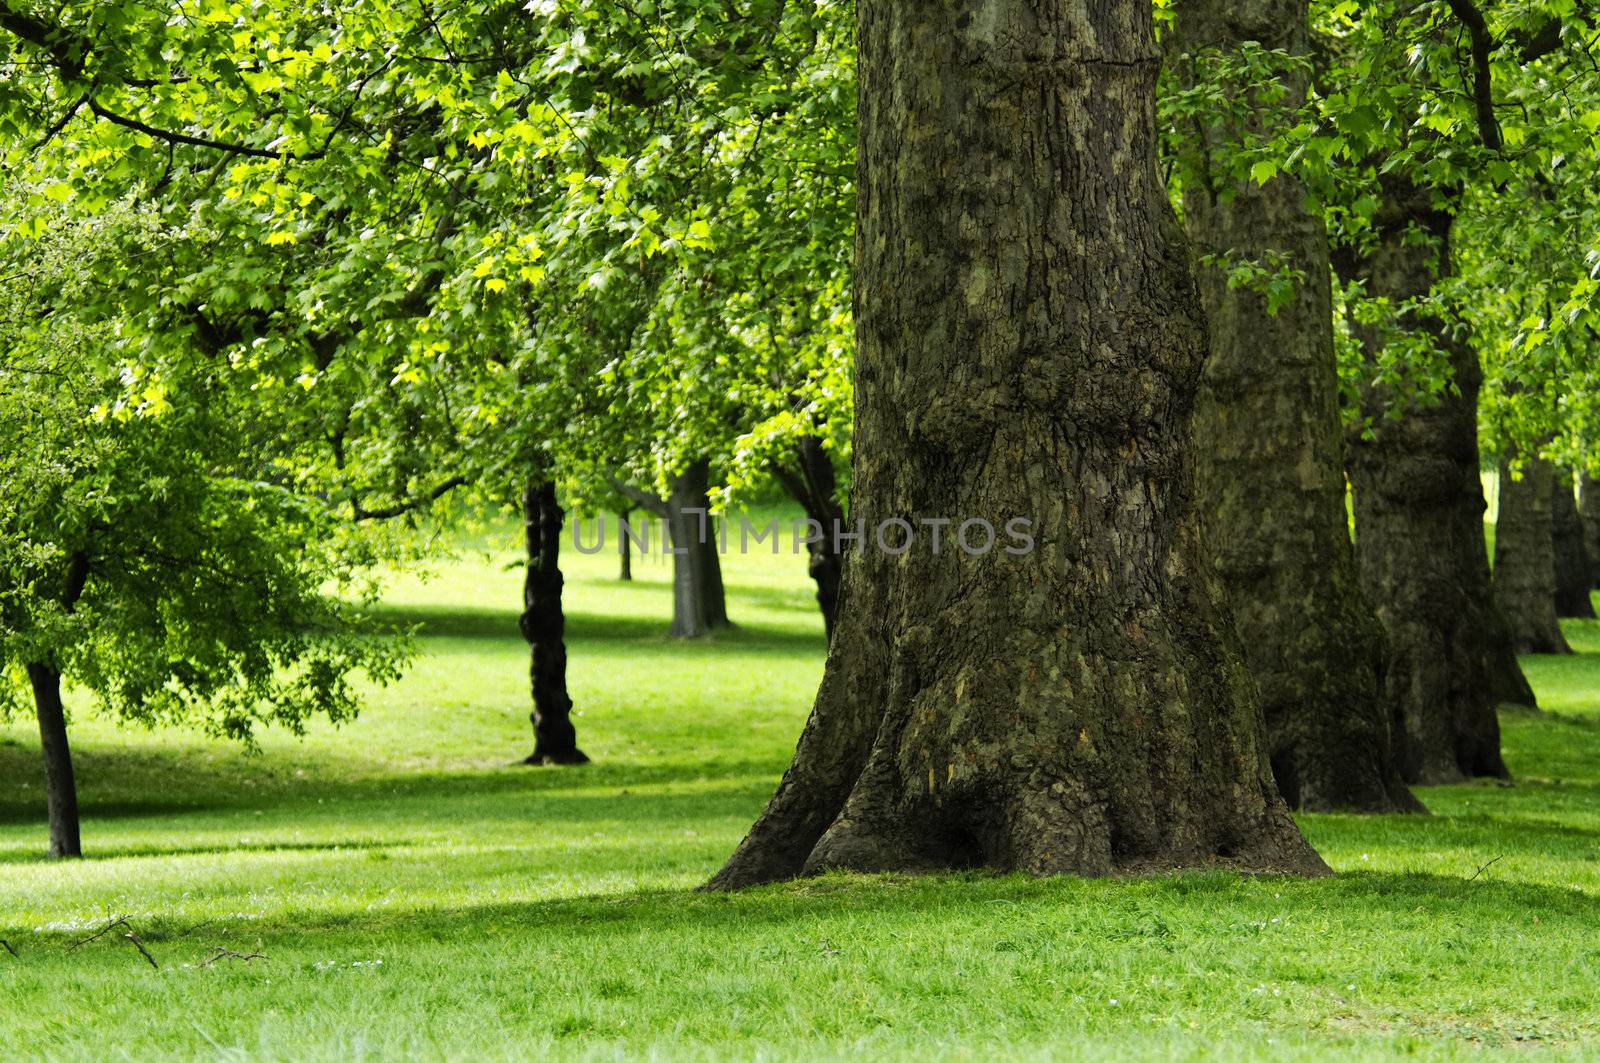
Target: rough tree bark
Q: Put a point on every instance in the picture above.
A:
(1589, 514)
(1269, 468)
(1029, 342)
(1419, 509)
(1524, 559)
(1574, 567)
(544, 627)
(60, 788)
(699, 603)
(812, 483)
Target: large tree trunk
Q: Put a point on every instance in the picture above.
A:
(1269, 468)
(1574, 567)
(544, 627)
(699, 605)
(61, 791)
(812, 483)
(1029, 342)
(1419, 527)
(1524, 559)
(1589, 515)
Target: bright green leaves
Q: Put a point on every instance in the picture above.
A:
(1393, 104)
(415, 233)
(1274, 277)
(207, 600)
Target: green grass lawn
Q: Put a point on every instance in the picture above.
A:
(415, 893)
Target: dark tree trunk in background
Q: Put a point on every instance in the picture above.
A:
(1574, 568)
(1029, 342)
(699, 605)
(544, 627)
(1589, 515)
(61, 792)
(1269, 468)
(624, 546)
(812, 483)
(1419, 527)
(1524, 559)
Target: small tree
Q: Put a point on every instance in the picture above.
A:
(150, 548)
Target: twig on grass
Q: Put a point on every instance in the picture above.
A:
(7, 945)
(229, 954)
(1487, 866)
(131, 936)
(197, 926)
(120, 920)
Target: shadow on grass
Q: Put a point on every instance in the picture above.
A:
(778, 599)
(501, 625)
(437, 790)
(1197, 904)
(1560, 717)
(469, 818)
(1503, 821)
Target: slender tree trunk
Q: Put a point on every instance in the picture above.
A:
(1524, 559)
(61, 792)
(624, 547)
(544, 628)
(1589, 515)
(699, 605)
(1419, 526)
(1029, 343)
(812, 483)
(1269, 462)
(1574, 568)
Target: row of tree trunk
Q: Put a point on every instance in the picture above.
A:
(1029, 338)
(1270, 469)
(1068, 712)
(1419, 512)
(699, 601)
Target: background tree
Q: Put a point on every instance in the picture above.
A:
(1268, 433)
(1433, 73)
(1589, 514)
(153, 547)
(1524, 558)
(1574, 570)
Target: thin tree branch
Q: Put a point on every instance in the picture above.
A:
(229, 954)
(1483, 46)
(643, 499)
(172, 137)
(60, 123)
(120, 920)
(402, 508)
